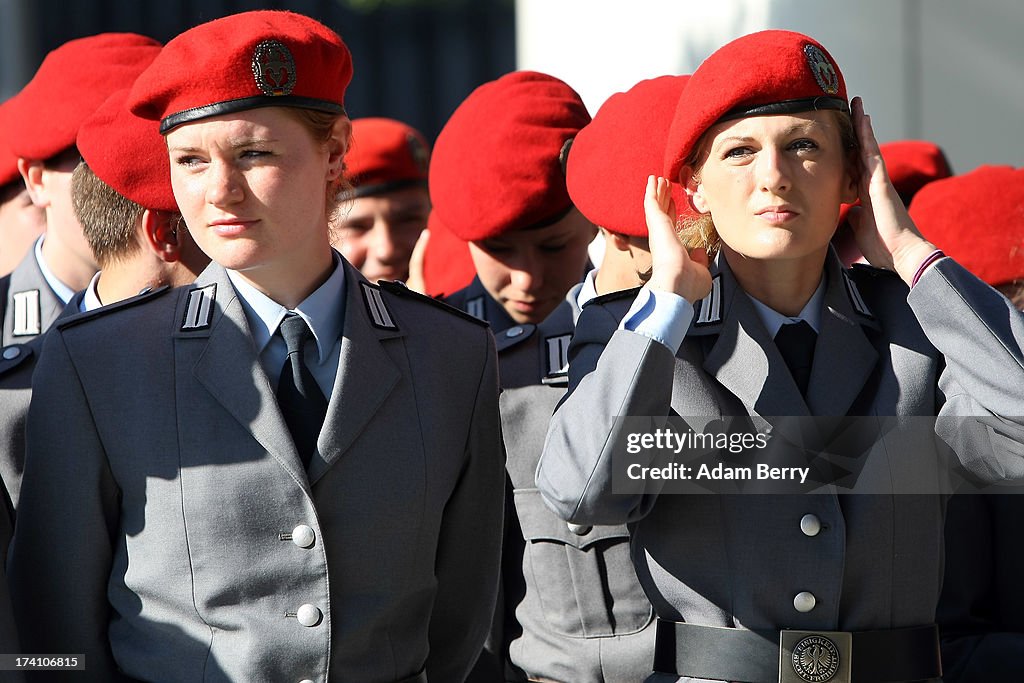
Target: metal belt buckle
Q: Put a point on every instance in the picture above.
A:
(815, 656)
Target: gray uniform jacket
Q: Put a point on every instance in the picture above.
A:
(17, 363)
(184, 541)
(30, 305)
(953, 345)
(572, 608)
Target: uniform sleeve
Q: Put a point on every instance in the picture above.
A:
(469, 545)
(60, 557)
(612, 373)
(981, 336)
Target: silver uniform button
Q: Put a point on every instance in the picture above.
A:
(11, 352)
(308, 615)
(303, 536)
(579, 529)
(804, 601)
(514, 331)
(810, 525)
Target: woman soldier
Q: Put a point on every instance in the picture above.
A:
(786, 587)
(224, 495)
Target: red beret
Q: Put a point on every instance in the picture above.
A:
(769, 72)
(498, 162)
(385, 154)
(8, 159)
(447, 263)
(912, 164)
(128, 153)
(978, 219)
(69, 85)
(613, 155)
(265, 58)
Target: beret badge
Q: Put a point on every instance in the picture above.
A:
(418, 152)
(274, 68)
(821, 67)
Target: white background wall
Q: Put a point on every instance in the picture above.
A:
(950, 71)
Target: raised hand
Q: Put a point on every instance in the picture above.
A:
(672, 268)
(883, 229)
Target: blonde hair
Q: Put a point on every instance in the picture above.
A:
(700, 231)
(321, 127)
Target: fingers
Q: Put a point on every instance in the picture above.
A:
(416, 281)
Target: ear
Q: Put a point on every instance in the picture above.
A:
(32, 173)
(337, 147)
(619, 242)
(694, 190)
(161, 233)
(850, 192)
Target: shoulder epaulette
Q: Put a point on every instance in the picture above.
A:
(26, 312)
(72, 320)
(399, 289)
(199, 308)
(709, 309)
(376, 308)
(853, 292)
(14, 355)
(614, 296)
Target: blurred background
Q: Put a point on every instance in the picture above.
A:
(943, 70)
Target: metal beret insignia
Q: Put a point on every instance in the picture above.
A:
(822, 69)
(563, 154)
(418, 152)
(274, 68)
(816, 659)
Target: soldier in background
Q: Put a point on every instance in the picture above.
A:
(572, 609)
(978, 217)
(42, 121)
(388, 204)
(21, 221)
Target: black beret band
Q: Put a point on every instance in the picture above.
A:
(244, 103)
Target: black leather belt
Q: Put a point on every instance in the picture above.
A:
(732, 654)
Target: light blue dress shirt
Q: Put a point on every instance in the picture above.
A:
(323, 311)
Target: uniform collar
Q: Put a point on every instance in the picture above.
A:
(63, 292)
(323, 310)
(91, 299)
(811, 312)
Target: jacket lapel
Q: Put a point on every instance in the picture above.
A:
(366, 373)
(739, 353)
(225, 363)
(844, 357)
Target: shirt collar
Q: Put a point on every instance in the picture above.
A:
(323, 310)
(588, 290)
(91, 300)
(63, 292)
(811, 312)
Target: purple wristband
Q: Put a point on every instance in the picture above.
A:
(929, 260)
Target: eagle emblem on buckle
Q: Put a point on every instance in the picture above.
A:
(821, 67)
(815, 659)
(274, 68)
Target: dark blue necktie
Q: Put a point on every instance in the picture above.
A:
(795, 342)
(301, 401)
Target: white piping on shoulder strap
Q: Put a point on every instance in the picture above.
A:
(711, 305)
(855, 298)
(376, 308)
(475, 307)
(27, 313)
(199, 309)
(558, 354)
